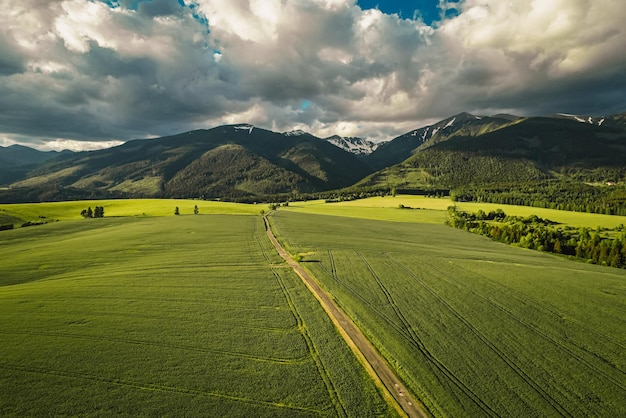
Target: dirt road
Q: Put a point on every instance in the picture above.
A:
(362, 348)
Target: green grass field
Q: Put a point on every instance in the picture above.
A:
(432, 210)
(165, 316)
(147, 313)
(121, 208)
(474, 327)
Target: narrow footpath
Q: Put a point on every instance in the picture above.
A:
(355, 339)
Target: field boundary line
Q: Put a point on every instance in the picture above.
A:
(392, 387)
(252, 357)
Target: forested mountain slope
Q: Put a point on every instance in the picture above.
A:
(528, 149)
(231, 161)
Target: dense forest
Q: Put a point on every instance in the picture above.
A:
(609, 198)
(599, 246)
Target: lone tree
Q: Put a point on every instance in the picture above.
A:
(196, 210)
(176, 211)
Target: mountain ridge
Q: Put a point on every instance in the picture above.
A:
(528, 149)
(242, 161)
(179, 166)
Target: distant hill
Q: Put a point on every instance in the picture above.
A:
(497, 150)
(17, 160)
(233, 161)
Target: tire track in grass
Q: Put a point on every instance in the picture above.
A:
(525, 299)
(390, 322)
(362, 348)
(156, 387)
(555, 342)
(327, 380)
(263, 359)
(419, 344)
(505, 358)
(333, 267)
(541, 333)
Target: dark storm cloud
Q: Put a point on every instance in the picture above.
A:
(11, 60)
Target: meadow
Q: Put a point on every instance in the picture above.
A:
(473, 327)
(421, 209)
(58, 211)
(165, 316)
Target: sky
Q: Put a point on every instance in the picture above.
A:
(87, 74)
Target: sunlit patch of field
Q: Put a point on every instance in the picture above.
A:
(125, 208)
(378, 208)
(421, 209)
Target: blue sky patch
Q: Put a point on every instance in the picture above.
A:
(428, 10)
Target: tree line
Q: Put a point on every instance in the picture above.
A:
(599, 246)
(562, 195)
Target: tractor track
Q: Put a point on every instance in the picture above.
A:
(560, 409)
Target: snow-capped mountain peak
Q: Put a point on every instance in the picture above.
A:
(582, 119)
(244, 127)
(297, 132)
(359, 146)
(450, 124)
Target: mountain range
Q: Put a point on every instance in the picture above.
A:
(244, 162)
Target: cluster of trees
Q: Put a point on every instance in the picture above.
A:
(578, 197)
(275, 206)
(98, 212)
(533, 232)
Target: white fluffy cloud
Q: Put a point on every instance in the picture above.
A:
(81, 70)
